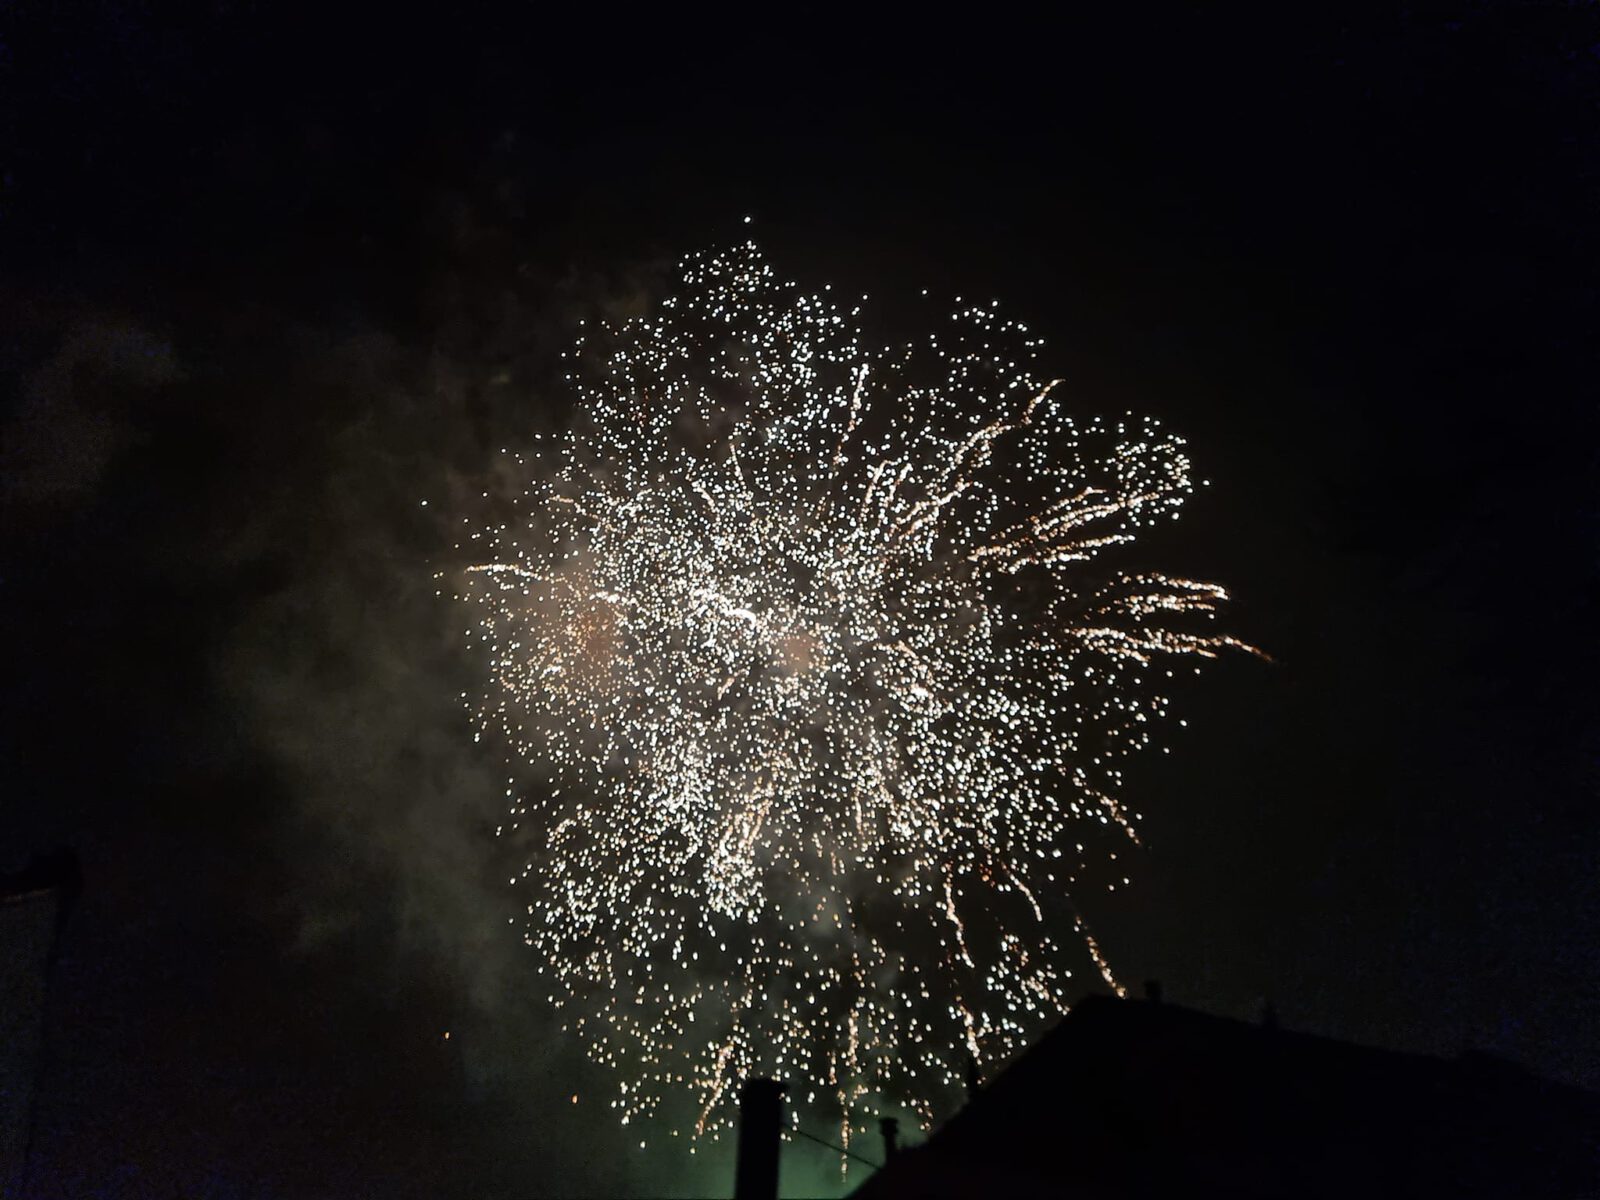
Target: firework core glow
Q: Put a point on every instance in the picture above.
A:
(819, 650)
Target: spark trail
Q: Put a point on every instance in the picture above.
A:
(815, 645)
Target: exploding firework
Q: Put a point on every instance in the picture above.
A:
(814, 644)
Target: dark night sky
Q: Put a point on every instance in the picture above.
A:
(266, 281)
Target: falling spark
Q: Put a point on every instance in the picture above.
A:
(811, 638)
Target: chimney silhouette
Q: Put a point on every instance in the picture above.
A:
(760, 1127)
(891, 1137)
(974, 1080)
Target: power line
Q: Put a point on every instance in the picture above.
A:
(836, 1149)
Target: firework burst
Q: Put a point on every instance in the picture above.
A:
(811, 640)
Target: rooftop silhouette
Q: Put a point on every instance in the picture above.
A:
(1128, 1098)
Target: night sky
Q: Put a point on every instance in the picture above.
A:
(267, 281)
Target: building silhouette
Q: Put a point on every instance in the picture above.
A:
(1131, 1098)
(33, 903)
